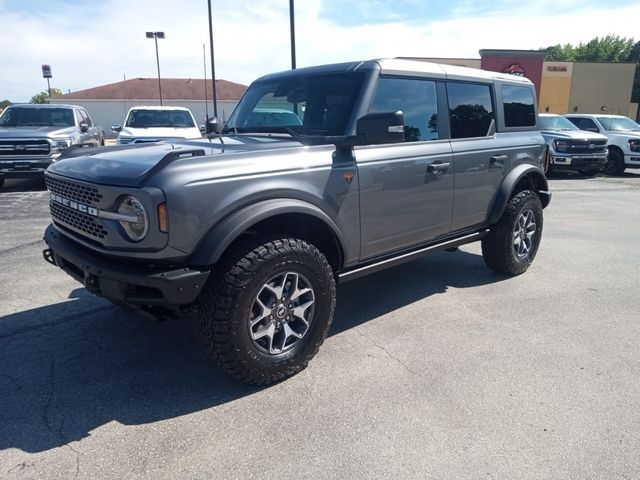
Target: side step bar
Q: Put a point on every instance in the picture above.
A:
(409, 256)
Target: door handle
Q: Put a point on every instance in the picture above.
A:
(438, 167)
(498, 161)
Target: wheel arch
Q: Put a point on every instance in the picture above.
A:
(282, 216)
(523, 177)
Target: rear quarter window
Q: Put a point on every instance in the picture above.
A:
(519, 106)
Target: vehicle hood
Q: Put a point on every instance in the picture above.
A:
(625, 134)
(572, 135)
(129, 165)
(39, 132)
(160, 132)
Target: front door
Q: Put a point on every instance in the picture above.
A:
(406, 189)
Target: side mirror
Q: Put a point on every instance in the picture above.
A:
(116, 128)
(378, 128)
(211, 126)
(84, 128)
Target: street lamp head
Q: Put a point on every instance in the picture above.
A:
(149, 34)
(160, 34)
(155, 34)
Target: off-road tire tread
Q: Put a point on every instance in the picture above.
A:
(497, 246)
(217, 304)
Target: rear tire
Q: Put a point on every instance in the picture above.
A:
(1, 182)
(513, 241)
(267, 309)
(615, 162)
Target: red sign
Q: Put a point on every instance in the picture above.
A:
(514, 69)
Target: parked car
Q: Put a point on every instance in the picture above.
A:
(154, 124)
(380, 162)
(623, 137)
(570, 148)
(32, 137)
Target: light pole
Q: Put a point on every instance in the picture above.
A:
(156, 36)
(292, 32)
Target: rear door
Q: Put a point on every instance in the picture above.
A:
(406, 189)
(480, 161)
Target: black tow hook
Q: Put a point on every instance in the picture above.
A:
(48, 256)
(92, 283)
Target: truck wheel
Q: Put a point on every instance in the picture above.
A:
(267, 309)
(513, 241)
(1, 182)
(615, 162)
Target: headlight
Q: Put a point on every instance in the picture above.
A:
(137, 226)
(562, 145)
(59, 144)
(634, 145)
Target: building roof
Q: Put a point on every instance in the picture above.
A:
(172, 89)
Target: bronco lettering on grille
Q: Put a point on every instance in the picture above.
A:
(74, 205)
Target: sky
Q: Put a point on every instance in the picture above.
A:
(90, 43)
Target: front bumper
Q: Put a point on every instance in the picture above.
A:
(24, 167)
(579, 162)
(125, 283)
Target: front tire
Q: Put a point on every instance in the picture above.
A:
(615, 162)
(268, 309)
(513, 241)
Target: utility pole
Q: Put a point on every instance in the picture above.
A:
(292, 28)
(156, 36)
(213, 67)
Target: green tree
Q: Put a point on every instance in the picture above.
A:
(43, 97)
(4, 104)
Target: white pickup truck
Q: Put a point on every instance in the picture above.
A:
(623, 139)
(154, 124)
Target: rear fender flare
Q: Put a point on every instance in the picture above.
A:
(509, 184)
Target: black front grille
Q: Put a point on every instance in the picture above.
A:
(24, 147)
(74, 191)
(78, 220)
(599, 146)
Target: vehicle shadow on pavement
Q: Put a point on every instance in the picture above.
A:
(363, 300)
(69, 368)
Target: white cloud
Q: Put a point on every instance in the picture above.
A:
(95, 43)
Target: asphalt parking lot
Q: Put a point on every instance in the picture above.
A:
(435, 369)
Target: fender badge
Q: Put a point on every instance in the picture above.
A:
(348, 177)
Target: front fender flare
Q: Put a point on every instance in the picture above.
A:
(509, 184)
(219, 237)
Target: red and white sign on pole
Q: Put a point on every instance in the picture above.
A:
(46, 71)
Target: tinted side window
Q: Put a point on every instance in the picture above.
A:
(584, 124)
(418, 101)
(519, 109)
(470, 109)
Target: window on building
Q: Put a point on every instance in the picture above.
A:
(418, 101)
(519, 109)
(470, 109)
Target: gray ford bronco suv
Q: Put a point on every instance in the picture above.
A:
(381, 162)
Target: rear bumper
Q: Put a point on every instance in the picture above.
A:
(128, 284)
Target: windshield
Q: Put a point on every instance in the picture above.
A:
(618, 124)
(318, 105)
(37, 117)
(159, 118)
(555, 122)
